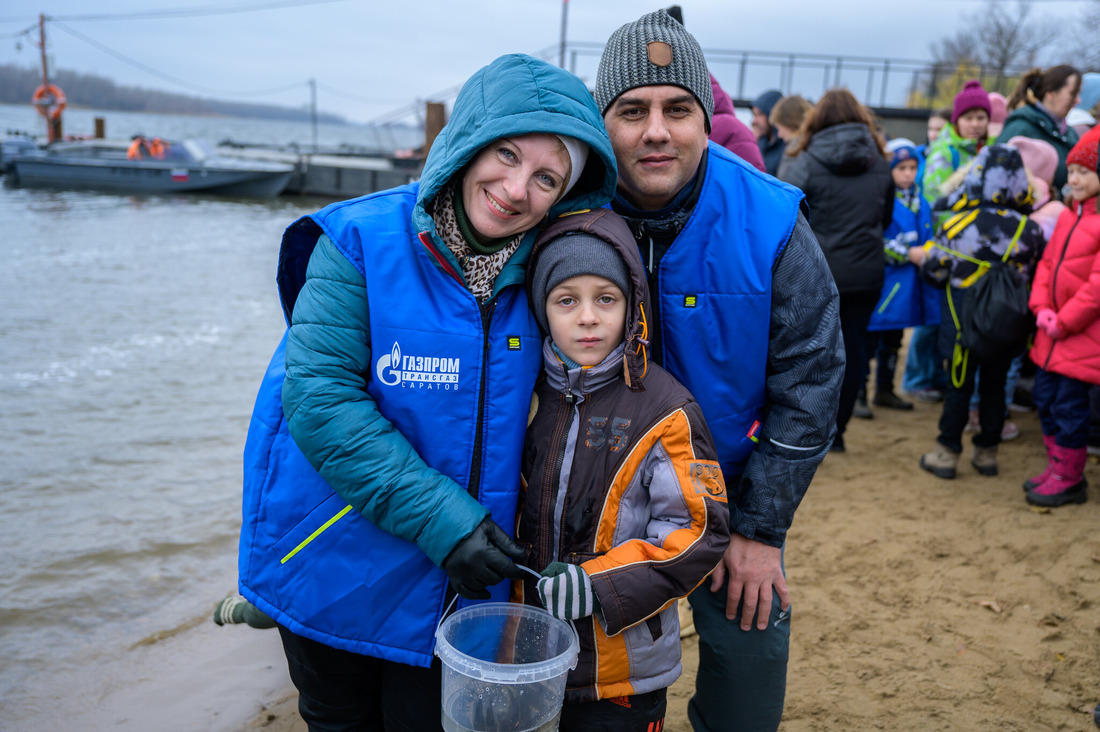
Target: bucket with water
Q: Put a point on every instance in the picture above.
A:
(504, 668)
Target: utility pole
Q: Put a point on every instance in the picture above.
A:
(53, 122)
(564, 16)
(42, 47)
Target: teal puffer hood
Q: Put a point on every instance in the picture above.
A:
(519, 95)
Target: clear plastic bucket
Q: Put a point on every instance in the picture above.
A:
(504, 668)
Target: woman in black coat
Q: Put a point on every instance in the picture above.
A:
(840, 164)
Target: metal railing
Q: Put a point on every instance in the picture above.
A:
(883, 83)
(878, 82)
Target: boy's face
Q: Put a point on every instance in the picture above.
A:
(973, 124)
(905, 174)
(1083, 183)
(587, 317)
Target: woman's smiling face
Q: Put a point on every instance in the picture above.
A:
(512, 183)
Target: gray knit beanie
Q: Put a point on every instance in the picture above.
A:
(569, 256)
(652, 51)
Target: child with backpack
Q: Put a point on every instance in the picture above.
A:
(623, 508)
(1065, 298)
(986, 235)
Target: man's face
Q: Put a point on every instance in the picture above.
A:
(659, 135)
(760, 125)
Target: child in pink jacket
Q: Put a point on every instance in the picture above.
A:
(1065, 298)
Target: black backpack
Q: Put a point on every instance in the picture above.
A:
(992, 319)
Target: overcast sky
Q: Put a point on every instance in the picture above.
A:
(370, 57)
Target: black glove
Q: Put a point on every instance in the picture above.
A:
(484, 558)
(935, 271)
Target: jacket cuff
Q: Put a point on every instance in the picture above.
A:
(437, 541)
(743, 524)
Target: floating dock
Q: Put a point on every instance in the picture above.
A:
(336, 176)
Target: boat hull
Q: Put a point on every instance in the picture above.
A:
(148, 177)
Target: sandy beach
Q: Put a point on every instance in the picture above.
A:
(921, 603)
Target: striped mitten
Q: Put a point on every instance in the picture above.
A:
(566, 591)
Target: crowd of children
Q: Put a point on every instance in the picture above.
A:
(997, 198)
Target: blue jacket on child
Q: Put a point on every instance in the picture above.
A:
(906, 299)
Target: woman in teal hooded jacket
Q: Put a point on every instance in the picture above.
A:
(382, 462)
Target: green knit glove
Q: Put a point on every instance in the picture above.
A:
(566, 591)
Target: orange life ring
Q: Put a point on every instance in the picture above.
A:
(49, 100)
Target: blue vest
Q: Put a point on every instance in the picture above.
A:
(715, 287)
(456, 385)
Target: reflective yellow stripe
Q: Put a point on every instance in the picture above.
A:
(897, 286)
(315, 534)
(975, 275)
(957, 224)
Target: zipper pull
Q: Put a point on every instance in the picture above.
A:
(570, 397)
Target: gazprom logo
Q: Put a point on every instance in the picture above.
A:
(416, 372)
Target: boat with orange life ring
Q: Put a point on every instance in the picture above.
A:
(49, 100)
(189, 166)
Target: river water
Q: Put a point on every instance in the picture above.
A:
(133, 334)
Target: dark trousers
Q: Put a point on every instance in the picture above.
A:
(341, 691)
(638, 713)
(855, 314)
(884, 344)
(1063, 406)
(742, 679)
(991, 405)
(1094, 415)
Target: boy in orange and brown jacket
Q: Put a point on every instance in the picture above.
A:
(624, 506)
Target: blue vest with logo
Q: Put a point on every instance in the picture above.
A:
(715, 285)
(456, 385)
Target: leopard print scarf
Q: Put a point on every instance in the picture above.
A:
(480, 270)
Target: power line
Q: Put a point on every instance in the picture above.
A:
(26, 31)
(354, 97)
(190, 12)
(166, 77)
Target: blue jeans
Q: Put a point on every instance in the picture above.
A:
(924, 364)
(1063, 406)
(742, 677)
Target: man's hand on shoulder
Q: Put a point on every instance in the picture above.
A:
(753, 569)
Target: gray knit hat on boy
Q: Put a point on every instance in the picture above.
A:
(569, 256)
(652, 51)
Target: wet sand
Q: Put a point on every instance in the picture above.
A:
(922, 603)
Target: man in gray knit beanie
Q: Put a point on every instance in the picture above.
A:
(745, 314)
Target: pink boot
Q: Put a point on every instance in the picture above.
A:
(1032, 483)
(1066, 483)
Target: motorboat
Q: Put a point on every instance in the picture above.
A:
(184, 166)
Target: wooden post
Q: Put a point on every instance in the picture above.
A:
(434, 119)
(100, 128)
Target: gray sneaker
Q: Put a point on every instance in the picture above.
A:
(928, 395)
